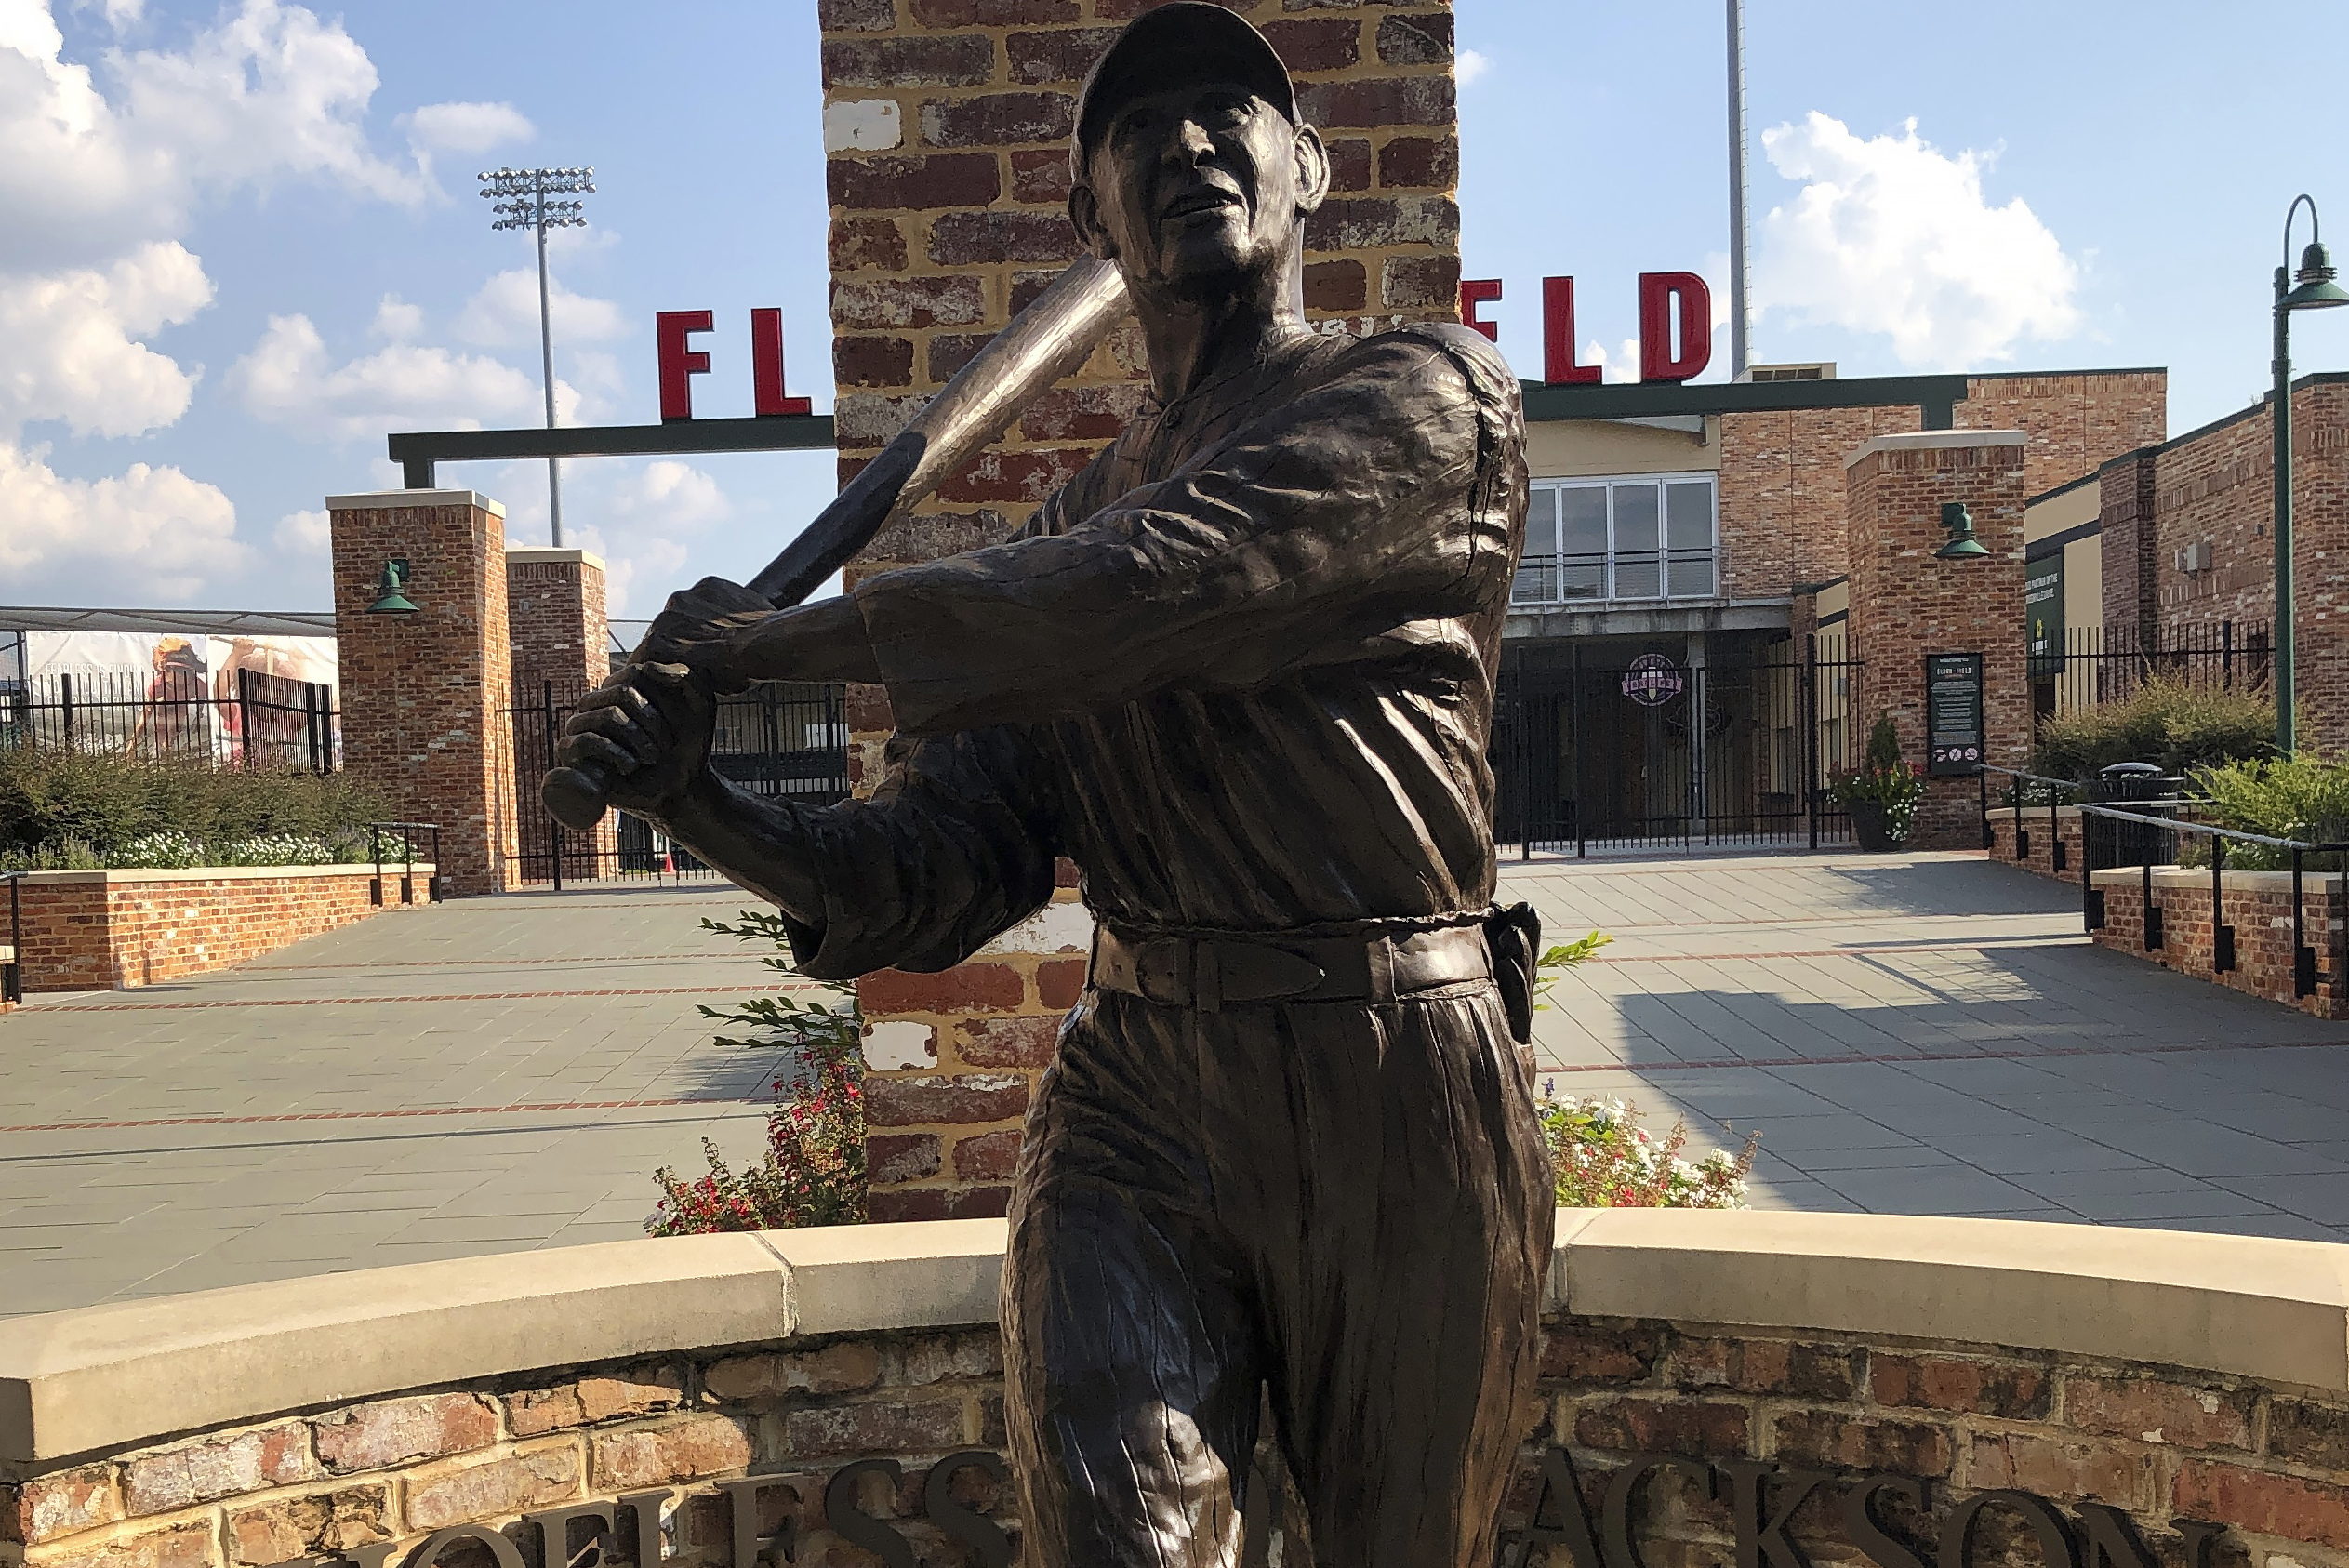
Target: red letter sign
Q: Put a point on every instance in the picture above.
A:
(670, 328)
(766, 367)
(1475, 292)
(1659, 292)
(1558, 335)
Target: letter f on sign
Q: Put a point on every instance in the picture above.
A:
(670, 328)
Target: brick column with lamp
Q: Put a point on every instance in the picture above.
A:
(425, 689)
(1910, 601)
(945, 131)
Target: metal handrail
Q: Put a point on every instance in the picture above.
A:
(12, 973)
(408, 860)
(2221, 934)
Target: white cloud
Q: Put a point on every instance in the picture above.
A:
(505, 310)
(305, 534)
(1890, 236)
(639, 518)
(288, 379)
(1468, 65)
(67, 347)
(467, 128)
(396, 321)
(152, 534)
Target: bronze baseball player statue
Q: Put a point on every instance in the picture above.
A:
(1240, 670)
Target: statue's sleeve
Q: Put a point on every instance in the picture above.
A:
(957, 845)
(1365, 501)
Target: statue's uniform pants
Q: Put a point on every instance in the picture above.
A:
(1346, 1203)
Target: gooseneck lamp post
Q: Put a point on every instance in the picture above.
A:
(2311, 290)
(520, 197)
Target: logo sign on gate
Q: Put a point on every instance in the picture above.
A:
(1652, 681)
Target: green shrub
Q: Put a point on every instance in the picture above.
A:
(1883, 780)
(58, 804)
(2305, 798)
(2175, 726)
(813, 1172)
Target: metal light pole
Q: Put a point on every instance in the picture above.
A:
(1739, 320)
(520, 203)
(2315, 290)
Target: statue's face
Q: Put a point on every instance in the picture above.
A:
(1195, 187)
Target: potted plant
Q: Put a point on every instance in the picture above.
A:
(1880, 796)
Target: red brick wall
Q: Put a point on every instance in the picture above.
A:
(2218, 486)
(562, 645)
(2159, 1444)
(1906, 604)
(555, 618)
(2260, 908)
(943, 227)
(2125, 488)
(1781, 494)
(1781, 473)
(2039, 841)
(424, 696)
(2075, 420)
(120, 930)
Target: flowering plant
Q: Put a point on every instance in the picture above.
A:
(1883, 782)
(1603, 1159)
(813, 1172)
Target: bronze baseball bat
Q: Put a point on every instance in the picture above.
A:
(1047, 340)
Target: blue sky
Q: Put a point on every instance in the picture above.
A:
(237, 243)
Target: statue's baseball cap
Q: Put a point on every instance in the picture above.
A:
(1179, 44)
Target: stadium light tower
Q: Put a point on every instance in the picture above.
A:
(521, 198)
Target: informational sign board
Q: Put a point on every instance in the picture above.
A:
(2043, 611)
(1953, 713)
(1652, 681)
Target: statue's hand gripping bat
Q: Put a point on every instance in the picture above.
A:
(1045, 342)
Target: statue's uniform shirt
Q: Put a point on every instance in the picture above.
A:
(1240, 670)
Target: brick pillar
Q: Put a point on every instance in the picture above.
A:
(946, 125)
(1907, 603)
(561, 643)
(424, 696)
(2131, 539)
(2320, 543)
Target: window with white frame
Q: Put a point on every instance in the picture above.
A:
(1650, 536)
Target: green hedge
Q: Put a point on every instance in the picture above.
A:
(70, 810)
(2175, 726)
(2306, 798)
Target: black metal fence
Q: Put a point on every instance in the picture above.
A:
(236, 718)
(2112, 664)
(1644, 752)
(787, 739)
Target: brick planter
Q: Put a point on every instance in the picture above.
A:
(120, 930)
(2257, 905)
(2123, 1398)
(2039, 841)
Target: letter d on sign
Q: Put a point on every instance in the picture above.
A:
(1662, 297)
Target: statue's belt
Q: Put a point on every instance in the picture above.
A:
(1213, 973)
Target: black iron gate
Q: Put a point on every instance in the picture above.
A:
(780, 738)
(1616, 752)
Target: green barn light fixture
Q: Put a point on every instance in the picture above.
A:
(392, 602)
(1962, 545)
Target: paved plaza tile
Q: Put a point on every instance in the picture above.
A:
(484, 1075)
(1933, 1034)
(1925, 1034)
